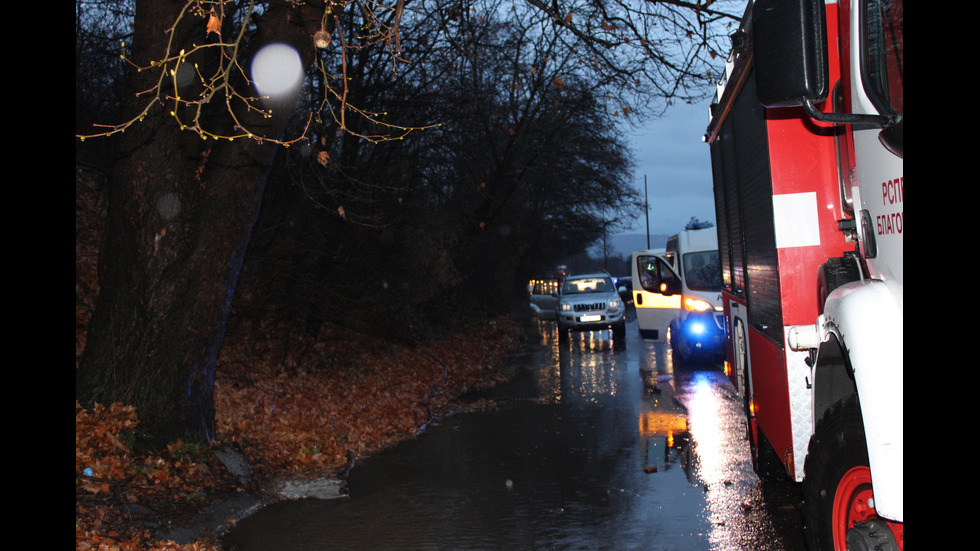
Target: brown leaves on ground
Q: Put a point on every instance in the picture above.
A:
(112, 481)
(297, 416)
(348, 392)
(296, 409)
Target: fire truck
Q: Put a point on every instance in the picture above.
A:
(806, 139)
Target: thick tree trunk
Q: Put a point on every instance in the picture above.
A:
(181, 210)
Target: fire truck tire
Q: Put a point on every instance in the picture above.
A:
(832, 274)
(837, 484)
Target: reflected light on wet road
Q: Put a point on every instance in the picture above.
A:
(733, 492)
(578, 367)
(703, 411)
(713, 463)
(594, 446)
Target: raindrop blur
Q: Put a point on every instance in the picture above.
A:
(184, 74)
(168, 205)
(276, 70)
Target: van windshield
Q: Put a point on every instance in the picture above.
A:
(702, 271)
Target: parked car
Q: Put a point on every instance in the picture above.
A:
(590, 302)
(625, 287)
(544, 297)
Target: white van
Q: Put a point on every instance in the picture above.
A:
(687, 277)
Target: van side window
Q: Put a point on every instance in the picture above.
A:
(654, 272)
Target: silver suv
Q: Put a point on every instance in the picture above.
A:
(590, 302)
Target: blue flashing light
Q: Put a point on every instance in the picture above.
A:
(696, 328)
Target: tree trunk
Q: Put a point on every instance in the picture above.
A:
(181, 211)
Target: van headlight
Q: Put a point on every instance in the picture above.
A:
(697, 305)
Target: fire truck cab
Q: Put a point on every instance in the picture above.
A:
(806, 139)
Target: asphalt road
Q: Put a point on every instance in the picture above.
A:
(594, 445)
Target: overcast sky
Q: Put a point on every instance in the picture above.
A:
(677, 165)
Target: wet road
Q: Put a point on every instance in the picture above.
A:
(593, 446)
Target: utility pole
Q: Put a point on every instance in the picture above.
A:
(604, 233)
(646, 208)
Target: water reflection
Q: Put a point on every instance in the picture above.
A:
(735, 505)
(585, 365)
(656, 365)
(663, 436)
(593, 446)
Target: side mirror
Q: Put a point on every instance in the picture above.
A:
(669, 287)
(789, 46)
(891, 137)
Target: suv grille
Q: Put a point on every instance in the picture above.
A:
(590, 307)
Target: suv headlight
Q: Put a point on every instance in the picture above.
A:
(615, 303)
(565, 307)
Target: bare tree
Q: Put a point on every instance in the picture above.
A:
(195, 140)
(660, 50)
(181, 208)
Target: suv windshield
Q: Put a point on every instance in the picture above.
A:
(574, 286)
(702, 271)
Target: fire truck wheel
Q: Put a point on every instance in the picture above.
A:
(837, 486)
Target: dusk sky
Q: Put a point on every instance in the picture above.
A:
(677, 165)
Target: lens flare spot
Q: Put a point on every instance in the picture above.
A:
(276, 70)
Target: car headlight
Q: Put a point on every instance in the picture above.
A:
(565, 307)
(697, 305)
(615, 303)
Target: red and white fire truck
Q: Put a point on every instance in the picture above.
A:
(807, 159)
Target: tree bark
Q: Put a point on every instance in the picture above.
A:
(181, 210)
